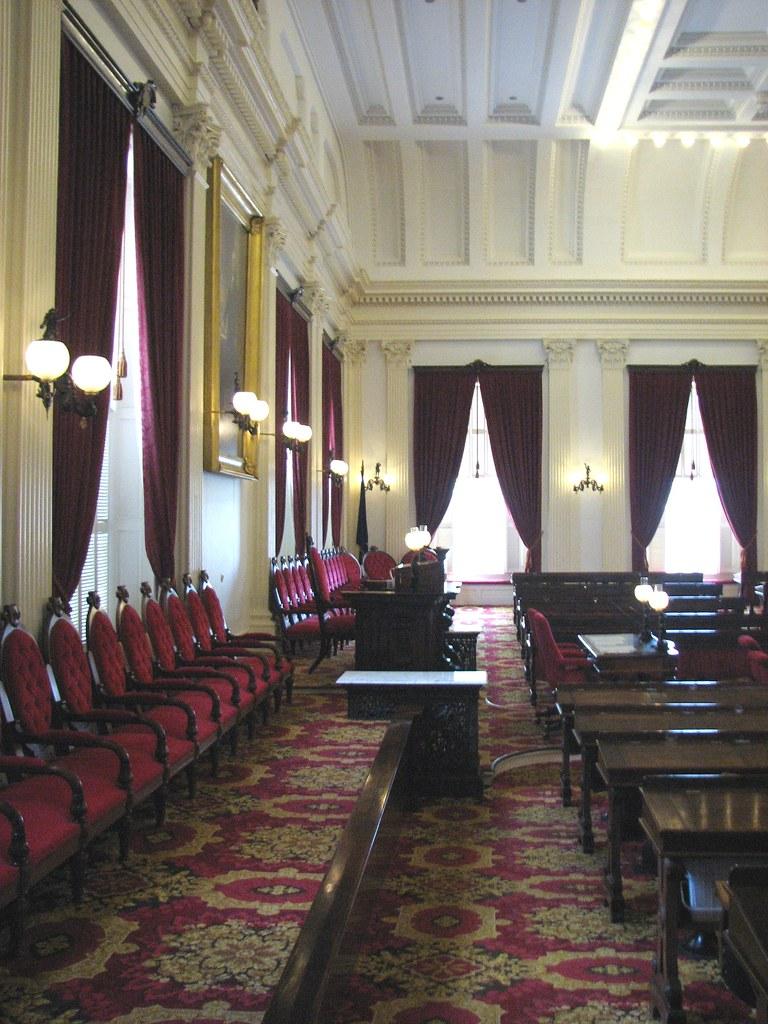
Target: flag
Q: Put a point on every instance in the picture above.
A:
(361, 537)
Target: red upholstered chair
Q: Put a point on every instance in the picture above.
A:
(251, 690)
(102, 765)
(552, 665)
(219, 628)
(352, 570)
(187, 716)
(337, 625)
(378, 565)
(425, 555)
(143, 738)
(222, 690)
(297, 625)
(42, 826)
(265, 659)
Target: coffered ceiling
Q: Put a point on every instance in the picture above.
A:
(489, 137)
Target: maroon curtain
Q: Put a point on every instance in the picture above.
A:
(94, 130)
(300, 405)
(728, 404)
(282, 361)
(658, 404)
(513, 410)
(441, 403)
(159, 217)
(333, 441)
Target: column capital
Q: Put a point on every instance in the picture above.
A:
(276, 237)
(353, 350)
(613, 354)
(316, 298)
(762, 348)
(197, 132)
(397, 352)
(559, 351)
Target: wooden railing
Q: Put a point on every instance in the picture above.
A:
(347, 893)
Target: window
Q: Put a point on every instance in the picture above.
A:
(694, 534)
(477, 529)
(118, 532)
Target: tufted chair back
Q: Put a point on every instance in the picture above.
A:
(378, 565)
(64, 651)
(134, 640)
(181, 627)
(104, 651)
(24, 674)
(196, 612)
(214, 611)
(158, 630)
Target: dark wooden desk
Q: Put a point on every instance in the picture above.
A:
(724, 822)
(395, 631)
(590, 726)
(444, 748)
(629, 695)
(627, 764)
(625, 656)
(747, 936)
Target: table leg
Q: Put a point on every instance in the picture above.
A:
(666, 990)
(588, 756)
(565, 767)
(612, 876)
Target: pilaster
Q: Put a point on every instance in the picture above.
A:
(762, 451)
(559, 552)
(199, 135)
(398, 463)
(616, 529)
(316, 299)
(353, 352)
(30, 56)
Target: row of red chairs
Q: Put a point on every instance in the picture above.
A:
(90, 735)
(308, 602)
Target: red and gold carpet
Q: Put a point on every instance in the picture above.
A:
(491, 915)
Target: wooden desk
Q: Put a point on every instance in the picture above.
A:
(590, 726)
(747, 937)
(727, 823)
(444, 748)
(625, 656)
(400, 631)
(629, 695)
(627, 764)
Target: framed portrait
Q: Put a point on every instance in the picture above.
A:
(233, 317)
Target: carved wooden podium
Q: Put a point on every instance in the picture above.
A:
(401, 630)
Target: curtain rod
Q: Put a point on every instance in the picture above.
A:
(83, 38)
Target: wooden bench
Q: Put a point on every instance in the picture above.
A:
(346, 897)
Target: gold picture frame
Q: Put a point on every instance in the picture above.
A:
(233, 296)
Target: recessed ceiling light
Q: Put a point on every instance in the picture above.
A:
(439, 98)
(687, 139)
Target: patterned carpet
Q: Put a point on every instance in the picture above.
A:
(491, 915)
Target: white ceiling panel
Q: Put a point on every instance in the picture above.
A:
(433, 42)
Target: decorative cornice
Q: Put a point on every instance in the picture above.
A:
(397, 353)
(613, 354)
(559, 351)
(654, 294)
(197, 132)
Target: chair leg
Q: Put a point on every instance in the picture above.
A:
(18, 919)
(77, 875)
(215, 759)
(233, 737)
(159, 798)
(289, 688)
(191, 773)
(250, 724)
(124, 837)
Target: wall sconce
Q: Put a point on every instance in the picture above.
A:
(337, 470)
(47, 360)
(296, 434)
(249, 411)
(377, 480)
(588, 483)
